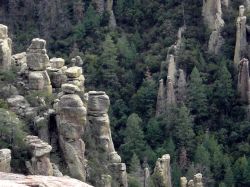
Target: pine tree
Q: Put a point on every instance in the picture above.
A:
(183, 132)
(229, 177)
(223, 90)
(202, 156)
(91, 19)
(134, 142)
(197, 99)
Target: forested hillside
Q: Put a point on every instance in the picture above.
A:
(170, 93)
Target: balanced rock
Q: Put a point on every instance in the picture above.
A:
(98, 102)
(37, 58)
(198, 180)
(5, 158)
(5, 48)
(74, 72)
(40, 163)
(57, 62)
(70, 88)
(17, 180)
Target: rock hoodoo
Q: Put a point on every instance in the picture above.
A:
(38, 61)
(212, 14)
(40, 163)
(5, 158)
(71, 120)
(195, 182)
(5, 48)
(241, 46)
(243, 80)
(163, 170)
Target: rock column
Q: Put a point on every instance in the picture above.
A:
(163, 170)
(5, 48)
(38, 61)
(71, 120)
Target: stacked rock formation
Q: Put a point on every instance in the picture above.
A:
(57, 73)
(40, 162)
(163, 170)
(98, 121)
(5, 158)
(106, 5)
(212, 14)
(71, 119)
(17, 180)
(241, 46)
(181, 87)
(195, 182)
(38, 61)
(5, 48)
(75, 77)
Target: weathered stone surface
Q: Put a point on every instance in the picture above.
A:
(198, 180)
(191, 183)
(3, 31)
(17, 180)
(69, 88)
(40, 81)
(209, 10)
(161, 104)
(74, 72)
(40, 163)
(71, 120)
(77, 61)
(98, 103)
(162, 168)
(146, 176)
(183, 182)
(243, 80)
(171, 68)
(57, 62)
(8, 91)
(106, 181)
(17, 101)
(37, 59)
(171, 99)
(5, 48)
(5, 158)
(119, 173)
(241, 37)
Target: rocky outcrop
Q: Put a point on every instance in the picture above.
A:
(5, 158)
(195, 182)
(77, 61)
(40, 163)
(146, 176)
(57, 73)
(172, 68)
(163, 170)
(38, 61)
(171, 99)
(98, 121)
(5, 48)
(71, 120)
(243, 80)
(106, 5)
(106, 181)
(241, 46)
(75, 77)
(212, 14)
(17, 180)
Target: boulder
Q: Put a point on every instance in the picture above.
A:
(5, 158)
(69, 89)
(3, 32)
(57, 62)
(5, 48)
(74, 72)
(98, 102)
(198, 180)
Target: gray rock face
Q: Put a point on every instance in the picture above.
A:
(183, 182)
(37, 58)
(40, 163)
(212, 14)
(198, 180)
(38, 61)
(5, 158)
(106, 181)
(71, 120)
(171, 99)
(241, 37)
(243, 80)
(119, 173)
(5, 48)
(146, 176)
(17, 180)
(162, 168)
(161, 105)
(181, 87)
